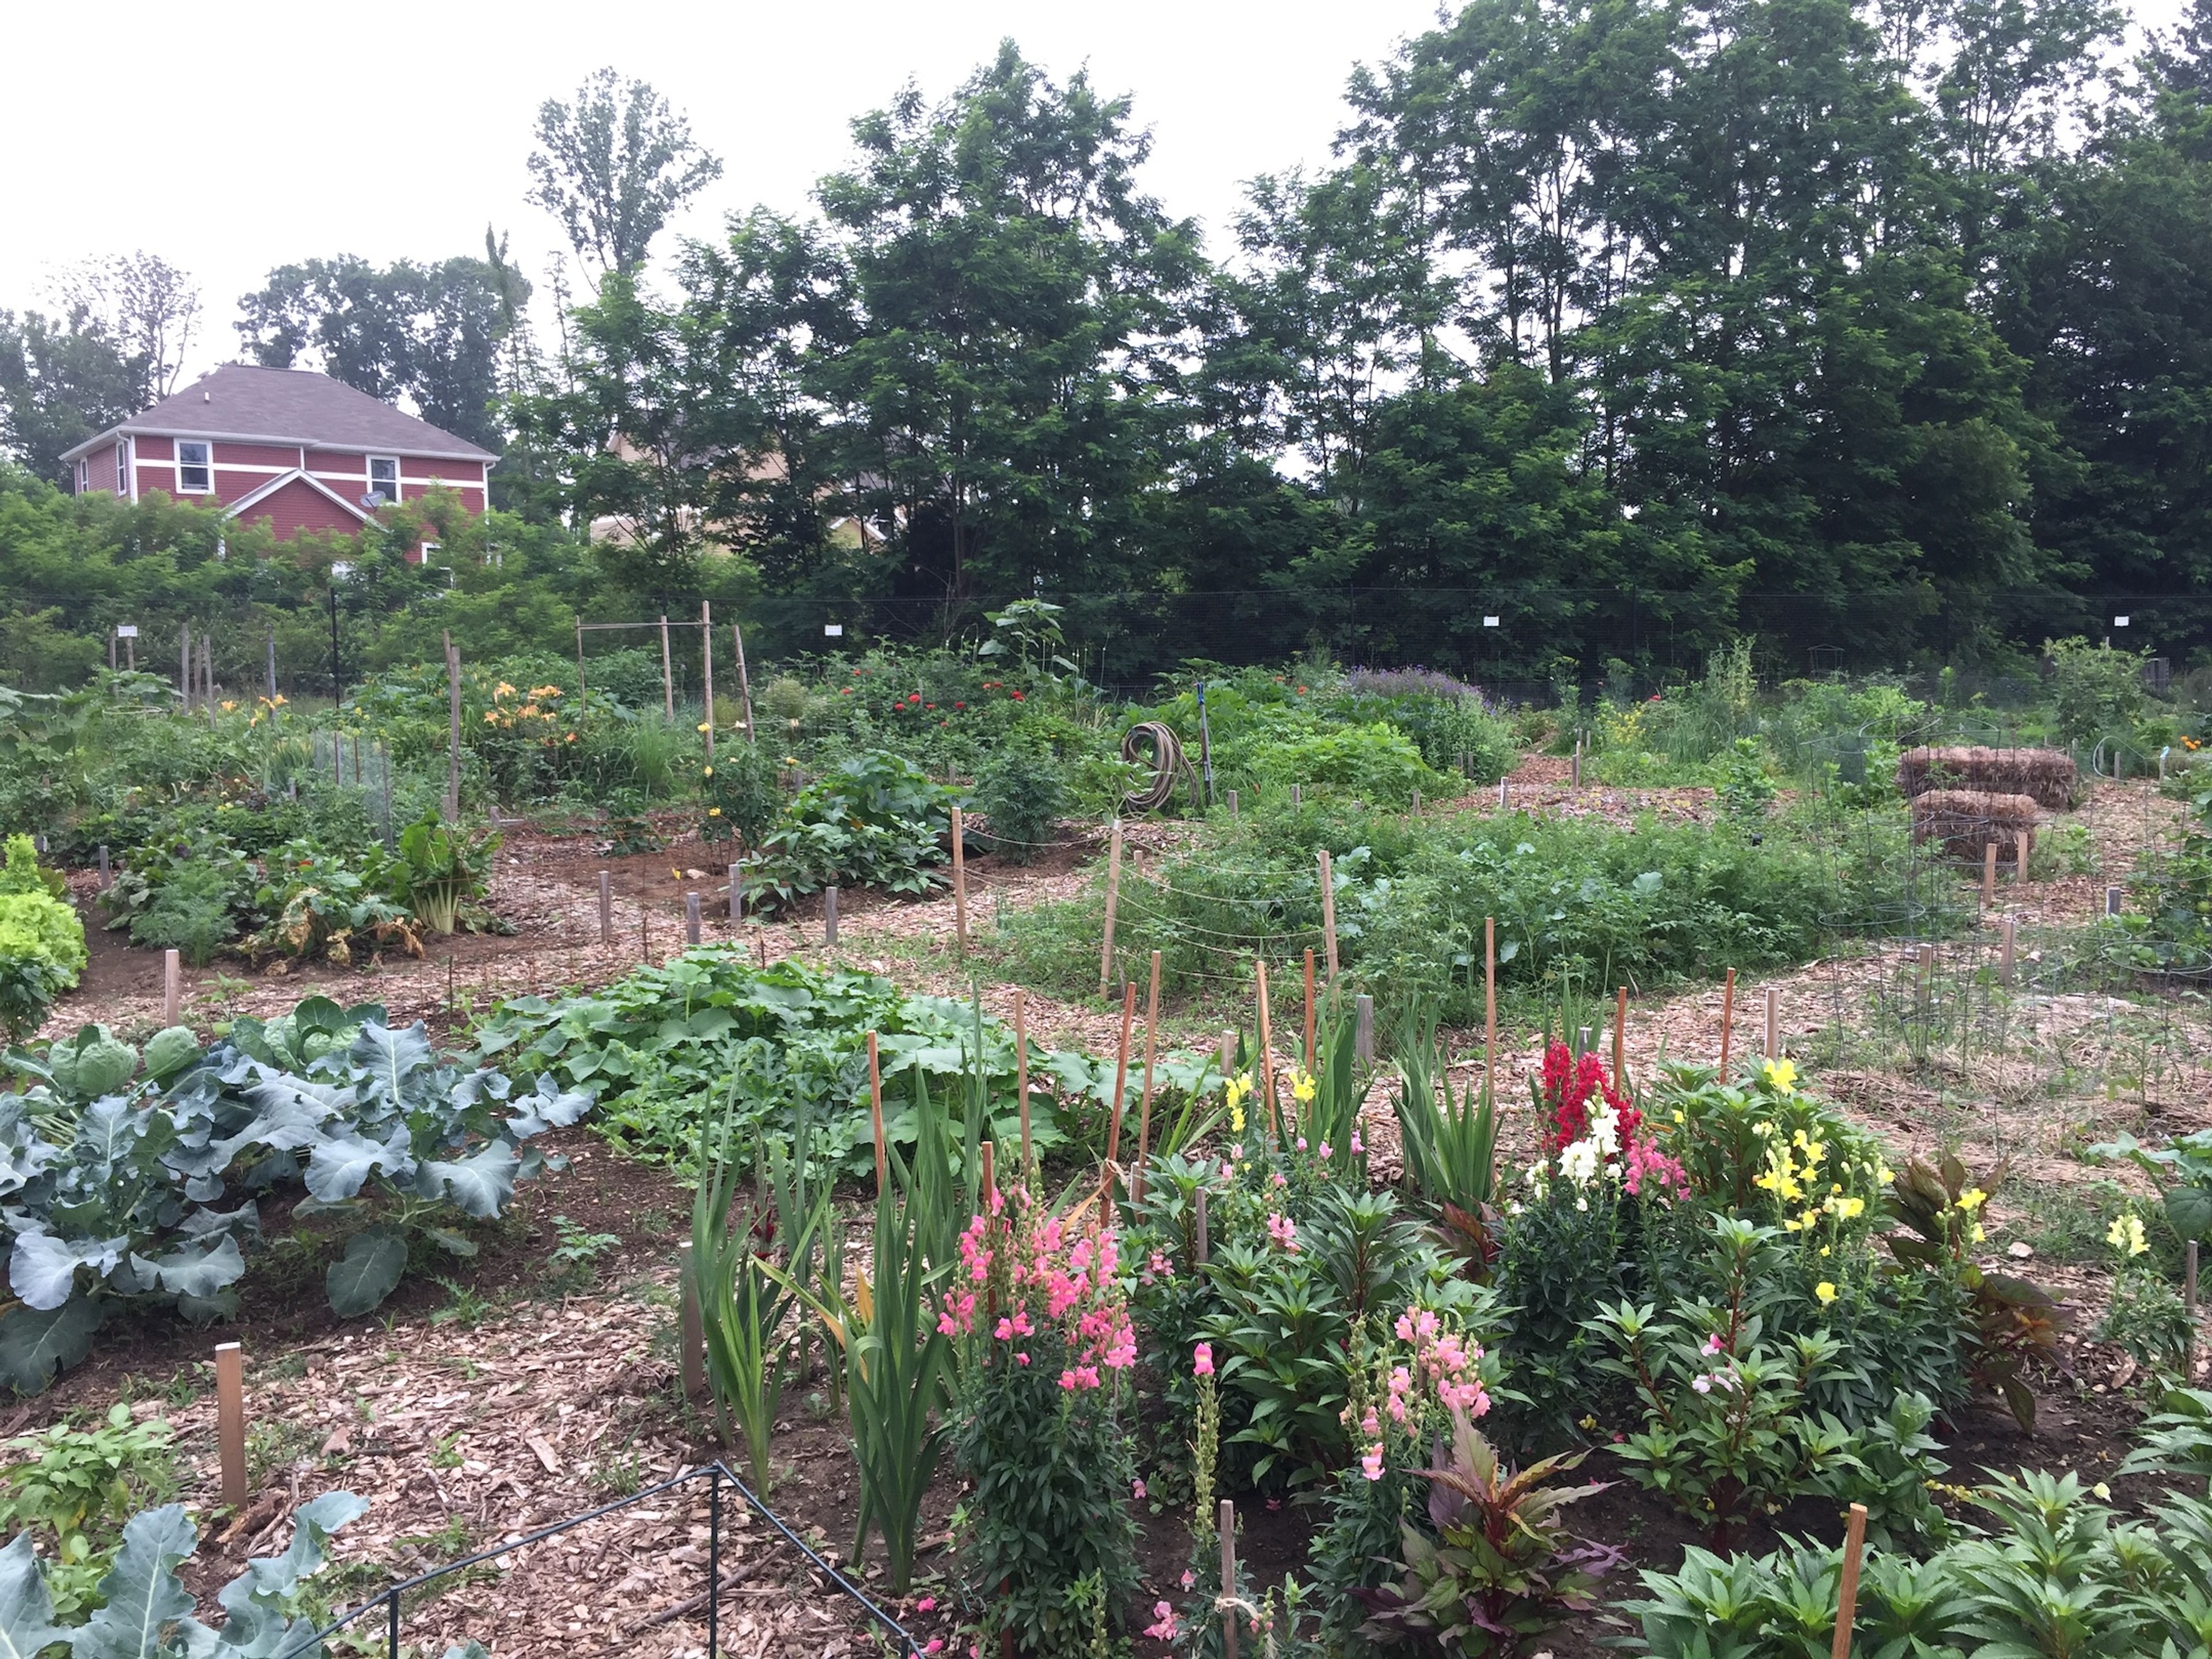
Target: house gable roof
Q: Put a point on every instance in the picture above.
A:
(239, 508)
(247, 405)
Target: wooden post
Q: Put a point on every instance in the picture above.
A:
(1268, 1049)
(1328, 915)
(111, 647)
(1145, 1107)
(1232, 807)
(2005, 952)
(1989, 874)
(2114, 897)
(1847, 1588)
(1297, 799)
(667, 673)
(745, 683)
(383, 767)
(2020, 856)
(1121, 1076)
(988, 1187)
(172, 988)
(579, 667)
(1773, 1024)
(230, 1420)
(1363, 1029)
(876, 1111)
(737, 894)
(105, 878)
(691, 918)
(453, 736)
(1228, 1051)
(959, 884)
(1113, 893)
(693, 1359)
(606, 908)
(707, 673)
(2188, 1290)
(1490, 1005)
(1620, 1040)
(828, 918)
(1309, 1011)
(1228, 1524)
(1727, 1020)
(272, 664)
(1022, 1072)
(644, 937)
(1417, 803)
(1575, 778)
(1198, 1219)
(185, 667)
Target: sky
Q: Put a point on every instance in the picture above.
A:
(240, 136)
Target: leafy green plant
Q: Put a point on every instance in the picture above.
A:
(1503, 1565)
(1745, 788)
(2096, 692)
(75, 1488)
(575, 1260)
(442, 873)
(144, 1609)
(737, 795)
(1450, 1139)
(875, 820)
(2146, 1316)
(41, 941)
(1023, 794)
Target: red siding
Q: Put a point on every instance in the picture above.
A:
(229, 485)
(156, 449)
(296, 508)
(272, 457)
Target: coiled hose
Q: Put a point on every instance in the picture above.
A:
(1166, 759)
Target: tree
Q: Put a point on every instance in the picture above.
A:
(430, 334)
(148, 306)
(61, 379)
(613, 166)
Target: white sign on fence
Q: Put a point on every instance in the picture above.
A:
(1490, 621)
(833, 630)
(127, 631)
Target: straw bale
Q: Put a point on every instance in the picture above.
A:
(1967, 820)
(2046, 775)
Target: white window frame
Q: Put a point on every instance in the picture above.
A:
(83, 475)
(184, 489)
(428, 550)
(392, 461)
(123, 467)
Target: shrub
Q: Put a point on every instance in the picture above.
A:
(737, 795)
(874, 821)
(2096, 692)
(74, 1489)
(41, 941)
(1022, 794)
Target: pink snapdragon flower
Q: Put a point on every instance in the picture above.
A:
(1201, 1360)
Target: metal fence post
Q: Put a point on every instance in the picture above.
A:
(391, 1623)
(714, 1560)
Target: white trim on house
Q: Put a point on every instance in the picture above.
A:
(126, 480)
(83, 476)
(206, 467)
(275, 440)
(375, 484)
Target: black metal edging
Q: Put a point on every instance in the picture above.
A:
(716, 1473)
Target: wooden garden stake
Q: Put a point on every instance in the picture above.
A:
(454, 733)
(828, 918)
(691, 918)
(1267, 1049)
(959, 884)
(737, 894)
(1575, 779)
(1232, 807)
(230, 1419)
(1199, 1222)
(2005, 954)
(693, 1327)
(1228, 1578)
(1309, 1012)
(105, 878)
(1363, 1029)
(2020, 856)
(1773, 1024)
(707, 672)
(1727, 1020)
(173, 988)
(990, 1187)
(875, 1109)
(1847, 1588)
(1144, 1105)
(2189, 1291)
(744, 683)
(1328, 915)
(580, 666)
(1120, 1077)
(1489, 1003)
(2114, 897)
(1417, 803)
(1228, 1051)
(667, 674)
(1113, 893)
(1022, 1072)
(1620, 1040)
(606, 908)
(185, 668)
(1989, 874)
(1297, 798)
(645, 937)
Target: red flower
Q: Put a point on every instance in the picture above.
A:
(959, 705)
(1017, 696)
(913, 696)
(931, 705)
(1567, 1086)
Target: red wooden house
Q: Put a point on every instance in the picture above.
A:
(299, 449)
